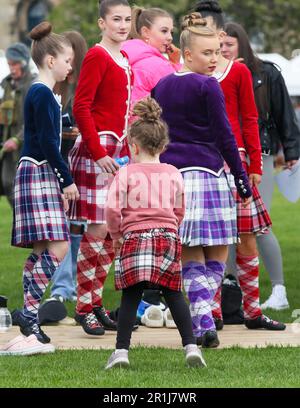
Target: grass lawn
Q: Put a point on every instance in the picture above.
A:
(271, 367)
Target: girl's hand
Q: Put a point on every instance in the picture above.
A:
(65, 203)
(71, 192)
(173, 54)
(10, 145)
(71, 135)
(108, 165)
(290, 163)
(117, 244)
(254, 179)
(246, 201)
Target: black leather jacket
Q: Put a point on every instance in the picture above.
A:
(281, 127)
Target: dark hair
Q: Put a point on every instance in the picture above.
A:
(245, 51)
(211, 9)
(45, 42)
(250, 59)
(141, 17)
(192, 25)
(105, 5)
(150, 132)
(80, 48)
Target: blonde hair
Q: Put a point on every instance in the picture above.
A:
(141, 17)
(149, 130)
(193, 25)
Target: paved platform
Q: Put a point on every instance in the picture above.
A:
(67, 336)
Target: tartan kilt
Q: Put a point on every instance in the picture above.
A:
(153, 256)
(210, 214)
(91, 182)
(255, 218)
(38, 208)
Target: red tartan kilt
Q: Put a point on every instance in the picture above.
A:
(255, 218)
(152, 256)
(91, 182)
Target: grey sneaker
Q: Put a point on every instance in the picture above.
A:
(119, 358)
(193, 356)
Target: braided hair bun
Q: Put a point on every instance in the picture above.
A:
(191, 20)
(149, 130)
(147, 110)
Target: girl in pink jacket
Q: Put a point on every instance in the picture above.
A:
(151, 38)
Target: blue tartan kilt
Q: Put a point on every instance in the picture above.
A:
(38, 208)
(210, 215)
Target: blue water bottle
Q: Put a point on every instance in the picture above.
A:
(122, 161)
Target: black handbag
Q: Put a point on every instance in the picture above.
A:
(231, 301)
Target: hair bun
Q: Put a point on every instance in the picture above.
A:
(207, 5)
(40, 31)
(193, 19)
(148, 110)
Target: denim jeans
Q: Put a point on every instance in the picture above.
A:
(64, 278)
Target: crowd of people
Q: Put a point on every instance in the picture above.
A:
(200, 126)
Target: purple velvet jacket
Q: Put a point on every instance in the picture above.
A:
(200, 134)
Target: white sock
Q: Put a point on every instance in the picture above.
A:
(120, 350)
(192, 346)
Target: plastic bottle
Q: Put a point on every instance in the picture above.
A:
(5, 316)
(122, 161)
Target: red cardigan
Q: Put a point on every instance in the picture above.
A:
(102, 99)
(236, 83)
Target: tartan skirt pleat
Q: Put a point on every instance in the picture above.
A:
(38, 208)
(152, 256)
(91, 182)
(210, 215)
(255, 218)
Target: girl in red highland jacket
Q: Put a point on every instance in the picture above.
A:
(101, 110)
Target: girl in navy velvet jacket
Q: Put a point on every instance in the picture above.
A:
(42, 176)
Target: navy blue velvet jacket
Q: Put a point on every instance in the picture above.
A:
(42, 131)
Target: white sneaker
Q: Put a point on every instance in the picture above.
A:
(153, 317)
(26, 346)
(119, 358)
(193, 356)
(168, 319)
(277, 300)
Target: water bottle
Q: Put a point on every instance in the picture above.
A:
(122, 161)
(5, 316)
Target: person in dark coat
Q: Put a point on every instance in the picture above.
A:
(15, 87)
(278, 127)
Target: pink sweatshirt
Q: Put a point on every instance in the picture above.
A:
(144, 196)
(148, 66)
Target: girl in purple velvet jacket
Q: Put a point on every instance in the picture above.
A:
(201, 139)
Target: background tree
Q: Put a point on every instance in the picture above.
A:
(277, 21)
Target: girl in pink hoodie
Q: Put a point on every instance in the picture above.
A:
(151, 38)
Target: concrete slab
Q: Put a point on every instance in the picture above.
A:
(67, 336)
